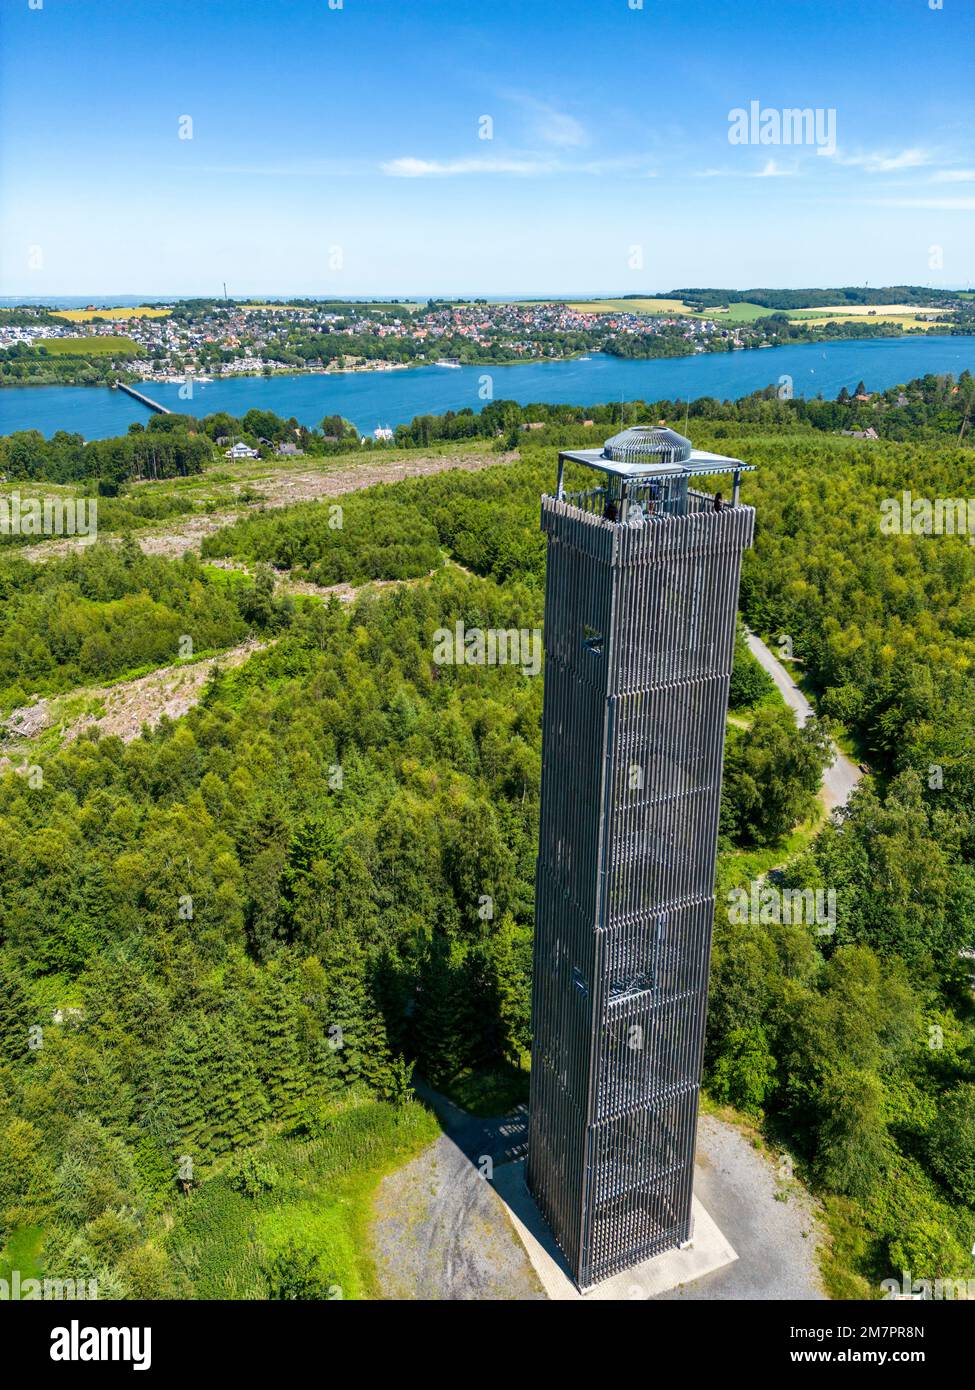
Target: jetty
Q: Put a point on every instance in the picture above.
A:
(140, 396)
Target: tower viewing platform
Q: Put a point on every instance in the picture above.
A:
(646, 473)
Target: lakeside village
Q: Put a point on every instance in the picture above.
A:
(211, 339)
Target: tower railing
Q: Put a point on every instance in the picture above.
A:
(656, 498)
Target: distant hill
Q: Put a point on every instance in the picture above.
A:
(810, 299)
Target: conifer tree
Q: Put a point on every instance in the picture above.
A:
(509, 954)
(185, 1092)
(356, 1027)
(438, 1022)
(278, 1027)
(239, 1105)
(14, 1015)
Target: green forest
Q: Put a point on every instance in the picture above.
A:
(228, 945)
(85, 362)
(106, 612)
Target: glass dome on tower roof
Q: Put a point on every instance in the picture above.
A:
(647, 444)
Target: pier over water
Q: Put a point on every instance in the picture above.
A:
(139, 396)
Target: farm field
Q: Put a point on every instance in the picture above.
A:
(734, 313)
(90, 347)
(903, 315)
(145, 311)
(855, 310)
(738, 313)
(904, 320)
(629, 306)
(358, 304)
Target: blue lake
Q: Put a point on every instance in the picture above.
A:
(393, 398)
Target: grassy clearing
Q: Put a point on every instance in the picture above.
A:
(23, 1252)
(261, 474)
(144, 311)
(226, 578)
(322, 1200)
(739, 313)
(493, 1092)
(115, 346)
(740, 868)
(849, 1248)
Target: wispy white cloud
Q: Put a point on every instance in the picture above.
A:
(298, 169)
(560, 129)
(528, 165)
(882, 161)
(412, 168)
(773, 170)
(928, 204)
(619, 164)
(872, 162)
(549, 125)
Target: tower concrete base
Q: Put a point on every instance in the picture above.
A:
(705, 1252)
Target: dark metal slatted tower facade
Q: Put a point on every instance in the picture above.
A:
(640, 602)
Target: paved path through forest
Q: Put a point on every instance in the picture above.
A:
(842, 775)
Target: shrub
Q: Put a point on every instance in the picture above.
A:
(951, 1142)
(252, 1176)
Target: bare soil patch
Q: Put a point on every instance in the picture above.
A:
(123, 709)
(282, 488)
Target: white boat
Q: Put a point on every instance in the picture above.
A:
(447, 364)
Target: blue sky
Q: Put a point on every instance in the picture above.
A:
(338, 150)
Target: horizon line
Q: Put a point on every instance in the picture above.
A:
(413, 296)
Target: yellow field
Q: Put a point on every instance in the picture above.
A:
(904, 320)
(856, 310)
(630, 306)
(85, 315)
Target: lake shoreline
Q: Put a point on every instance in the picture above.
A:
(392, 398)
(583, 354)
